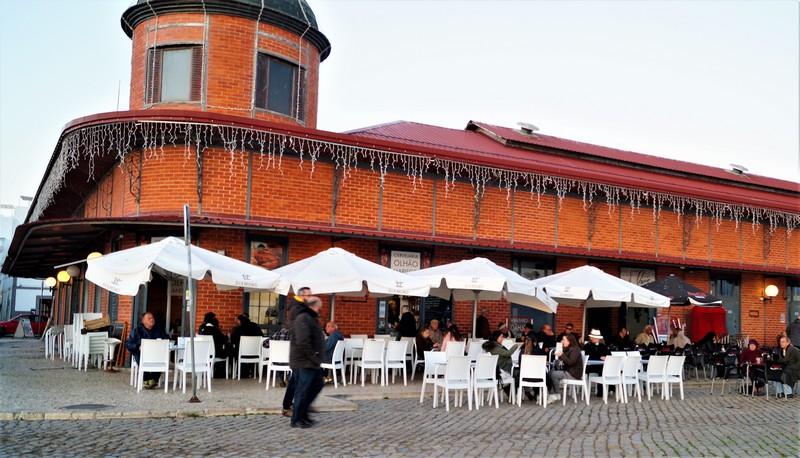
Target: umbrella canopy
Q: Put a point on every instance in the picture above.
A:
(681, 293)
(123, 271)
(480, 278)
(596, 288)
(337, 271)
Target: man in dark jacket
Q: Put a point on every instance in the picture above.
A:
(147, 329)
(295, 303)
(307, 349)
(482, 327)
(245, 328)
(789, 356)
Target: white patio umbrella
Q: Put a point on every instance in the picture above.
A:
(595, 288)
(480, 278)
(123, 271)
(337, 271)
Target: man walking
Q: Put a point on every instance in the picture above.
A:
(307, 349)
(295, 303)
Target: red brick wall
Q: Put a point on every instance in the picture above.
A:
(725, 242)
(670, 234)
(405, 208)
(455, 209)
(534, 220)
(573, 224)
(638, 230)
(606, 228)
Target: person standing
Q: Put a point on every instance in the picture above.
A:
(793, 332)
(293, 306)
(408, 324)
(307, 348)
(147, 329)
(482, 327)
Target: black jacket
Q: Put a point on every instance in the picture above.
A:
(307, 345)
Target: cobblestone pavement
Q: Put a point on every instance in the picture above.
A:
(395, 424)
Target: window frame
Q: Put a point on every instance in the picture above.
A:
(261, 86)
(154, 77)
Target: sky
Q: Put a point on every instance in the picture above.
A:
(709, 82)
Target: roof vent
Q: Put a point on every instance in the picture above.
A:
(737, 169)
(526, 128)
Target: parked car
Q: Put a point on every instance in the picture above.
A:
(38, 322)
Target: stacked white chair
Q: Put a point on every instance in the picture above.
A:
(153, 357)
(278, 359)
(456, 377)
(485, 377)
(94, 349)
(533, 374)
(337, 364)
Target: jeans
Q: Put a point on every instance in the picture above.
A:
(309, 384)
(291, 386)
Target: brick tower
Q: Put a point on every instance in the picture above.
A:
(249, 58)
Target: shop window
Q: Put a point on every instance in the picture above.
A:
(174, 74)
(280, 86)
(266, 308)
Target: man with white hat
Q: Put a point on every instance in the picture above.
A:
(596, 350)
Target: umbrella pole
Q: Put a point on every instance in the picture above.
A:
(189, 298)
(474, 315)
(333, 304)
(169, 305)
(583, 323)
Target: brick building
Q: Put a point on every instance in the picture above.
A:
(223, 106)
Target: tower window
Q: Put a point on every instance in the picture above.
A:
(280, 86)
(174, 74)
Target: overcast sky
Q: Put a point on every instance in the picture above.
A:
(711, 82)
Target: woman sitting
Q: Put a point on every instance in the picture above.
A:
(751, 356)
(571, 362)
(495, 346)
(451, 335)
(530, 346)
(424, 342)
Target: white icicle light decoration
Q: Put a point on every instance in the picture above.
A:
(120, 139)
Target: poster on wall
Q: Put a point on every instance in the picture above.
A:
(268, 255)
(637, 276)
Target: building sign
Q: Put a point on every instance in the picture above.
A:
(405, 261)
(637, 276)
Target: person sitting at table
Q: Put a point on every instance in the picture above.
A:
(210, 327)
(407, 327)
(708, 344)
(789, 356)
(334, 336)
(436, 334)
(530, 346)
(245, 328)
(596, 350)
(646, 337)
(424, 343)
(505, 330)
(622, 341)
(147, 329)
(451, 334)
(751, 356)
(567, 330)
(547, 337)
(571, 363)
(495, 346)
(678, 339)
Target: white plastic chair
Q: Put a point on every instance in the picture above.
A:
(337, 363)
(474, 349)
(202, 350)
(583, 383)
(674, 375)
(656, 373)
(411, 350)
(373, 358)
(456, 377)
(386, 337)
(533, 374)
(612, 375)
(353, 349)
(508, 343)
(396, 358)
(249, 353)
(630, 375)
(359, 336)
(455, 348)
(278, 359)
(153, 357)
(93, 349)
(263, 359)
(435, 361)
(485, 377)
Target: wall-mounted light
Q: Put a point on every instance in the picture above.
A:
(73, 271)
(63, 276)
(769, 292)
(222, 251)
(50, 282)
(94, 255)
